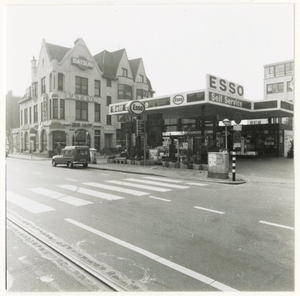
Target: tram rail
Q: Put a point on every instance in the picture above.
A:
(89, 268)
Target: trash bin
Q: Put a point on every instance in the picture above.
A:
(218, 165)
(93, 155)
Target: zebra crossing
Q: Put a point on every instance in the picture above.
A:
(111, 190)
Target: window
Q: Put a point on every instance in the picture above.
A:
(35, 113)
(55, 108)
(34, 90)
(290, 86)
(108, 119)
(279, 70)
(43, 85)
(108, 82)
(140, 94)
(30, 109)
(50, 82)
(25, 116)
(81, 85)
(141, 78)
(81, 111)
(62, 108)
(60, 82)
(42, 112)
(97, 88)
(97, 112)
(108, 100)
(289, 67)
(21, 117)
(124, 92)
(275, 88)
(125, 72)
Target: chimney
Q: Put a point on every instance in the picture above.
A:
(33, 67)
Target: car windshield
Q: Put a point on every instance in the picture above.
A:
(82, 152)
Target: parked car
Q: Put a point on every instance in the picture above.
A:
(73, 155)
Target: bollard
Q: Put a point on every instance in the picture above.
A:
(233, 164)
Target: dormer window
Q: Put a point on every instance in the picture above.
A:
(141, 78)
(125, 72)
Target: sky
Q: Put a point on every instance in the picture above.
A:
(179, 44)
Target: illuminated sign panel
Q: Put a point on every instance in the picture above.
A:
(225, 100)
(224, 86)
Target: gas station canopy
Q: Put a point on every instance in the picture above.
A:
(208, 103)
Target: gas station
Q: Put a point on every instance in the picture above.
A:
(190, 120)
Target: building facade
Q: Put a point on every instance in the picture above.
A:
(70, 92)
(12, 122)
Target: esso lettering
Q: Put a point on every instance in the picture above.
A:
(137, 107)
(225, 86)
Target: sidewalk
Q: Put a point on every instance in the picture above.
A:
(256, 170)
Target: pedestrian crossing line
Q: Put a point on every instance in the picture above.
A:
(139, 186)
(157, 183)
(209, 210)
(72, 180)
(61, 197)
(118, 189)
(27, 204)
(196, 184)
(163, 179)
(91, 192)
(159, 198)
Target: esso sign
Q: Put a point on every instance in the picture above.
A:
(135, 108)
(224, 86)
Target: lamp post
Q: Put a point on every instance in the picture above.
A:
(226, 122)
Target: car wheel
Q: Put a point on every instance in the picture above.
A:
(53, 163)
(85, 165)
(70, 164)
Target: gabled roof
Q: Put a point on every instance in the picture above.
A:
(134, 65)
(108, 62)
(56, 52)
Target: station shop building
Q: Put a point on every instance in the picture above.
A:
(190, 120)
(70, 92)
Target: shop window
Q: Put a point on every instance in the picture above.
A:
(81, 111)
(124, 92)
(97, 112)
(81, 84)
(97, 89)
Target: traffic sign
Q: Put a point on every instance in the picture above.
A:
(237, 117)
(237, 136)
(237, 127)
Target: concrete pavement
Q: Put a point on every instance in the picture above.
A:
(267, 170)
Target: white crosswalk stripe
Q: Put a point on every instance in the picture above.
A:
(28, 204)
(123, 183)
(196, 184)
(163, 179)
(90, 192)
(61, 197)
(157, 183)
(118, 189)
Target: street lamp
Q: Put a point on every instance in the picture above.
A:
(226, 122)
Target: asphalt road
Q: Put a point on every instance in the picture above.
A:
(162, 234)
